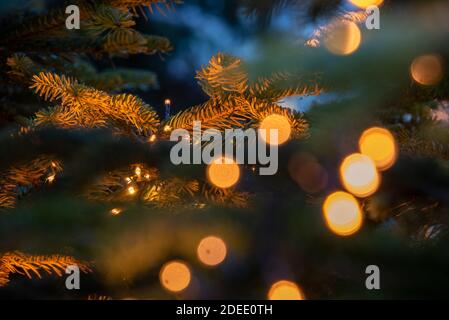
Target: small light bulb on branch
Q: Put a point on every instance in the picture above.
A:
(51, 178)
(167, 104)
(152, 138)
(132, 190)
(138, 171)
(116, 211)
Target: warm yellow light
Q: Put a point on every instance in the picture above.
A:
(167, 128)
(343, 38)
(342, 213)
(175, 276)
(51, 178)
(275, 122)
(285, 290)
(211, 251)
(131, 190)
(138, 171)
(152, 138)
(366, 3)
(427, 69)
(380, 145)
(116, 211)
(359, 175)
(167, 101)
(223, 172)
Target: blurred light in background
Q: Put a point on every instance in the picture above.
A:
(305, 170)
(175, 276)
(427, 69)
(380, 145)
(211, 251)
(342, 213)
(275, 121)
(116, 211)
(285, 290)
(359, 175)
(223, 172)
(366, 3)
(343, 38)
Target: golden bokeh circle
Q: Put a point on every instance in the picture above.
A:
(175, 276)
(275, 122)
(380, 145)
(427, 69)
(366, 3)
(223, 172)
(285, 290)
(211, 250)
(359, 175)
(342, 213)
(343, 38)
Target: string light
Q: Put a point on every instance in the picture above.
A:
(138, 171)
(427, 69)
(342, 213)
(131, 190)
(167, 104)
(223, 172)
(211, 251)
(380, 145)
(366, 3)
(116, 211)
(275, 122)
(51, 178)
(152, 138)
(167, 128)
(175, 276)
(285, 290)
(344, 38)
(359, 175)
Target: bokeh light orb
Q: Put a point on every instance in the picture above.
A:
(285, 290)
(175, 276)
(359, 175)
(223, 172)
(366, 3)
(275, 122)
(343, 38)
(307, 172)
(211, 250)
(427, 69)
(342, 213)
(380, 145)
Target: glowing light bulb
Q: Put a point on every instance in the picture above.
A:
(275, 122)
(167, 128)
(152, 138)
(223, 172)
(359, 175)
(342, 213)
(285, 290)
(138, 171)
(131, 190)
(380, 145)
(175, 276)
(427, 69)
(51, 178)
(211, 251)
(344, 38)
(116, 211)
(366, 3)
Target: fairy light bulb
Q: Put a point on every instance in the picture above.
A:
(342, 213)
(132, 190)
(211, 250)
(275, 122)
(223, 172)
(175, 276)
(138, 171)
(359, 175)
(344, 38)
(51, 178)
(380, 145)
(116, 211)
(285, 290)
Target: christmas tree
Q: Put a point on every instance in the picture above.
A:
(87, 178)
